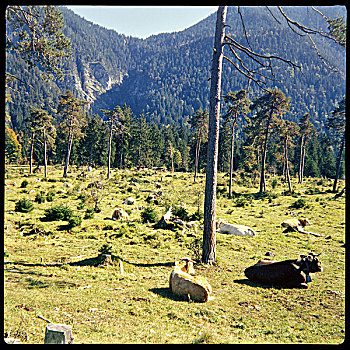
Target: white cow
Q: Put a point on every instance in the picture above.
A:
(237, 230)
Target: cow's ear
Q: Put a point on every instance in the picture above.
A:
(303, 256)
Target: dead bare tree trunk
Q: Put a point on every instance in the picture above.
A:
(209, 234)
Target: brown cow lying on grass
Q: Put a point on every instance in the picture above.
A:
(120, 213)
(182, 283)
(298, 225)
(287, 273)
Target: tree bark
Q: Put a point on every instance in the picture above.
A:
(209, 234)
(339, 163)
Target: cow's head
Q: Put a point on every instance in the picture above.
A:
(311, 263)
(186, 265)
(305, 222)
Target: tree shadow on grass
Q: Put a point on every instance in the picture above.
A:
(94, 261)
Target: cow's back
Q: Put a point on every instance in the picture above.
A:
(284, 273)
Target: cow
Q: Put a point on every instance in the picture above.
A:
(287, 273)
(182, 283)
(298, 225)
(237, 230)
(120, 213)
(129, 201)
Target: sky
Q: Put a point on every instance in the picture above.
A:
(144, 21)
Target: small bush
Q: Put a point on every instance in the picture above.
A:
(24, 184)
(58, 212)
(89, 214)
(196, 247)
(241, 202)
(181, 213)
(24, 205)
(39, 198)
(74, 220)
(149, 214)
(106, 248)
(274, 183)
(300, 203)
(197, 216)
(50, 196)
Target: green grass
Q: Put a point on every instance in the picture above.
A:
(104, 306)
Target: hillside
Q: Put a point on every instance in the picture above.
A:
(166, 76)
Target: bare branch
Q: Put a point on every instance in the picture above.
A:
(250, 77)
(245, 32)
(305, 29)
(272, 15)
(325, 17)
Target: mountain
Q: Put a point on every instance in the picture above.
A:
(166, 76)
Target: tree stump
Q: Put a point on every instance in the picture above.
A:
(58, 334)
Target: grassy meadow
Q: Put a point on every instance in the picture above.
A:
(51, 268)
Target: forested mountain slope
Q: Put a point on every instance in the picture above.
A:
(166, 76)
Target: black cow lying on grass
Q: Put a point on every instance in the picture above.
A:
(287, 273)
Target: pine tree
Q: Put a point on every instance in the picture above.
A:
(336, 125)
(40, 120)
(238, 106)
(270, 106)
(115, 119)
(199, 123)
(37, 37)
(307, 131)
(12, 146)
(71, 110)
(287, 132)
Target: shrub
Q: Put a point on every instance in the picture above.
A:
(24, 205)
(106, 248)
(74, 220)
(149, 214)
(196, 247)
(274, 183)
(58, 212)
(39, 198)
(50, 196)
(300, 203)
(197, 216)
(24, 183)
(181, 213)
(89, 214)
(241, 202)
